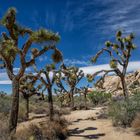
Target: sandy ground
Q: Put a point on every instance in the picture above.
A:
(85, 125)
(33, 119)
(82, 128)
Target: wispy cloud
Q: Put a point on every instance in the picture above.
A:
(106, 16)
(4, 79)
(133, 66)
(76, 62)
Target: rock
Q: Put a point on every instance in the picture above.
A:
(112, 84)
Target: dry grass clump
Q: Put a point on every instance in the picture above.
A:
(40, 110)
(3, 127)
(48, 130)
(64, 111)
(33, 132)
(136, 124)
(55, 130)
(40, 107)
(22, 111)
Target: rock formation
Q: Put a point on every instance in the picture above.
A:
(113, 85)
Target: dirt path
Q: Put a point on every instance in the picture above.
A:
(83, 128)
(86, 125)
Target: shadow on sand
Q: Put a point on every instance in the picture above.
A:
(77, 133)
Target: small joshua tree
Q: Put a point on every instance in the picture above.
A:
(60, 96)
(120, 53)
(11, 52)
(47, 76)
(84, 91)
(71, 76)
(28, 88)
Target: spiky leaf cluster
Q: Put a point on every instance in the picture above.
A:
(50, 67)
(9, 50)
(89, 77)
(28, 85)
(43, 35)
(57, 56)
(113, 64)
(9, 17)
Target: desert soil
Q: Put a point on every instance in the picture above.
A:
(86, 125)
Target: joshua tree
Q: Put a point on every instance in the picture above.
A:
(11, 52)
(62, 96)
(120, 53)
(28, 88)
(47, 77)
(84, 91)
(71, 76)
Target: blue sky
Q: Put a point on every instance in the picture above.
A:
(84, 25)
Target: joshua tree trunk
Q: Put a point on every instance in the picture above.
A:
(124, 87)
(50, 101)
(85, 100)
(27, 108)
(61, 103)
(72, 99)
(69, 99)
(15, 107)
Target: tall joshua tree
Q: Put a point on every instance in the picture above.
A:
(11, 52)
(120, 53)
(28, 88)
(71, 76)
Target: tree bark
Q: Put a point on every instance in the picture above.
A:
(15, 107)
(124, 87)
(72, 99)
(50, 101)
(85, 100)
(27, 108)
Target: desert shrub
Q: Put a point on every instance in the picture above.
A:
(3, 127)
(40, 110)
(55, 130)
(5, 104)
(123, 112)
(97, 97)
(33, 132)
(22, 112)
(48, 130)
(39, 107)
(136, 124)
(62, 111)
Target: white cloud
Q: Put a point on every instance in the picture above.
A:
(75, 62)
(4, 79)
(5, 82)
(133, 66)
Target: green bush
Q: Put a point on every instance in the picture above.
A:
(21, 113)
(5, 104)
(99, 97)
(123, 112)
